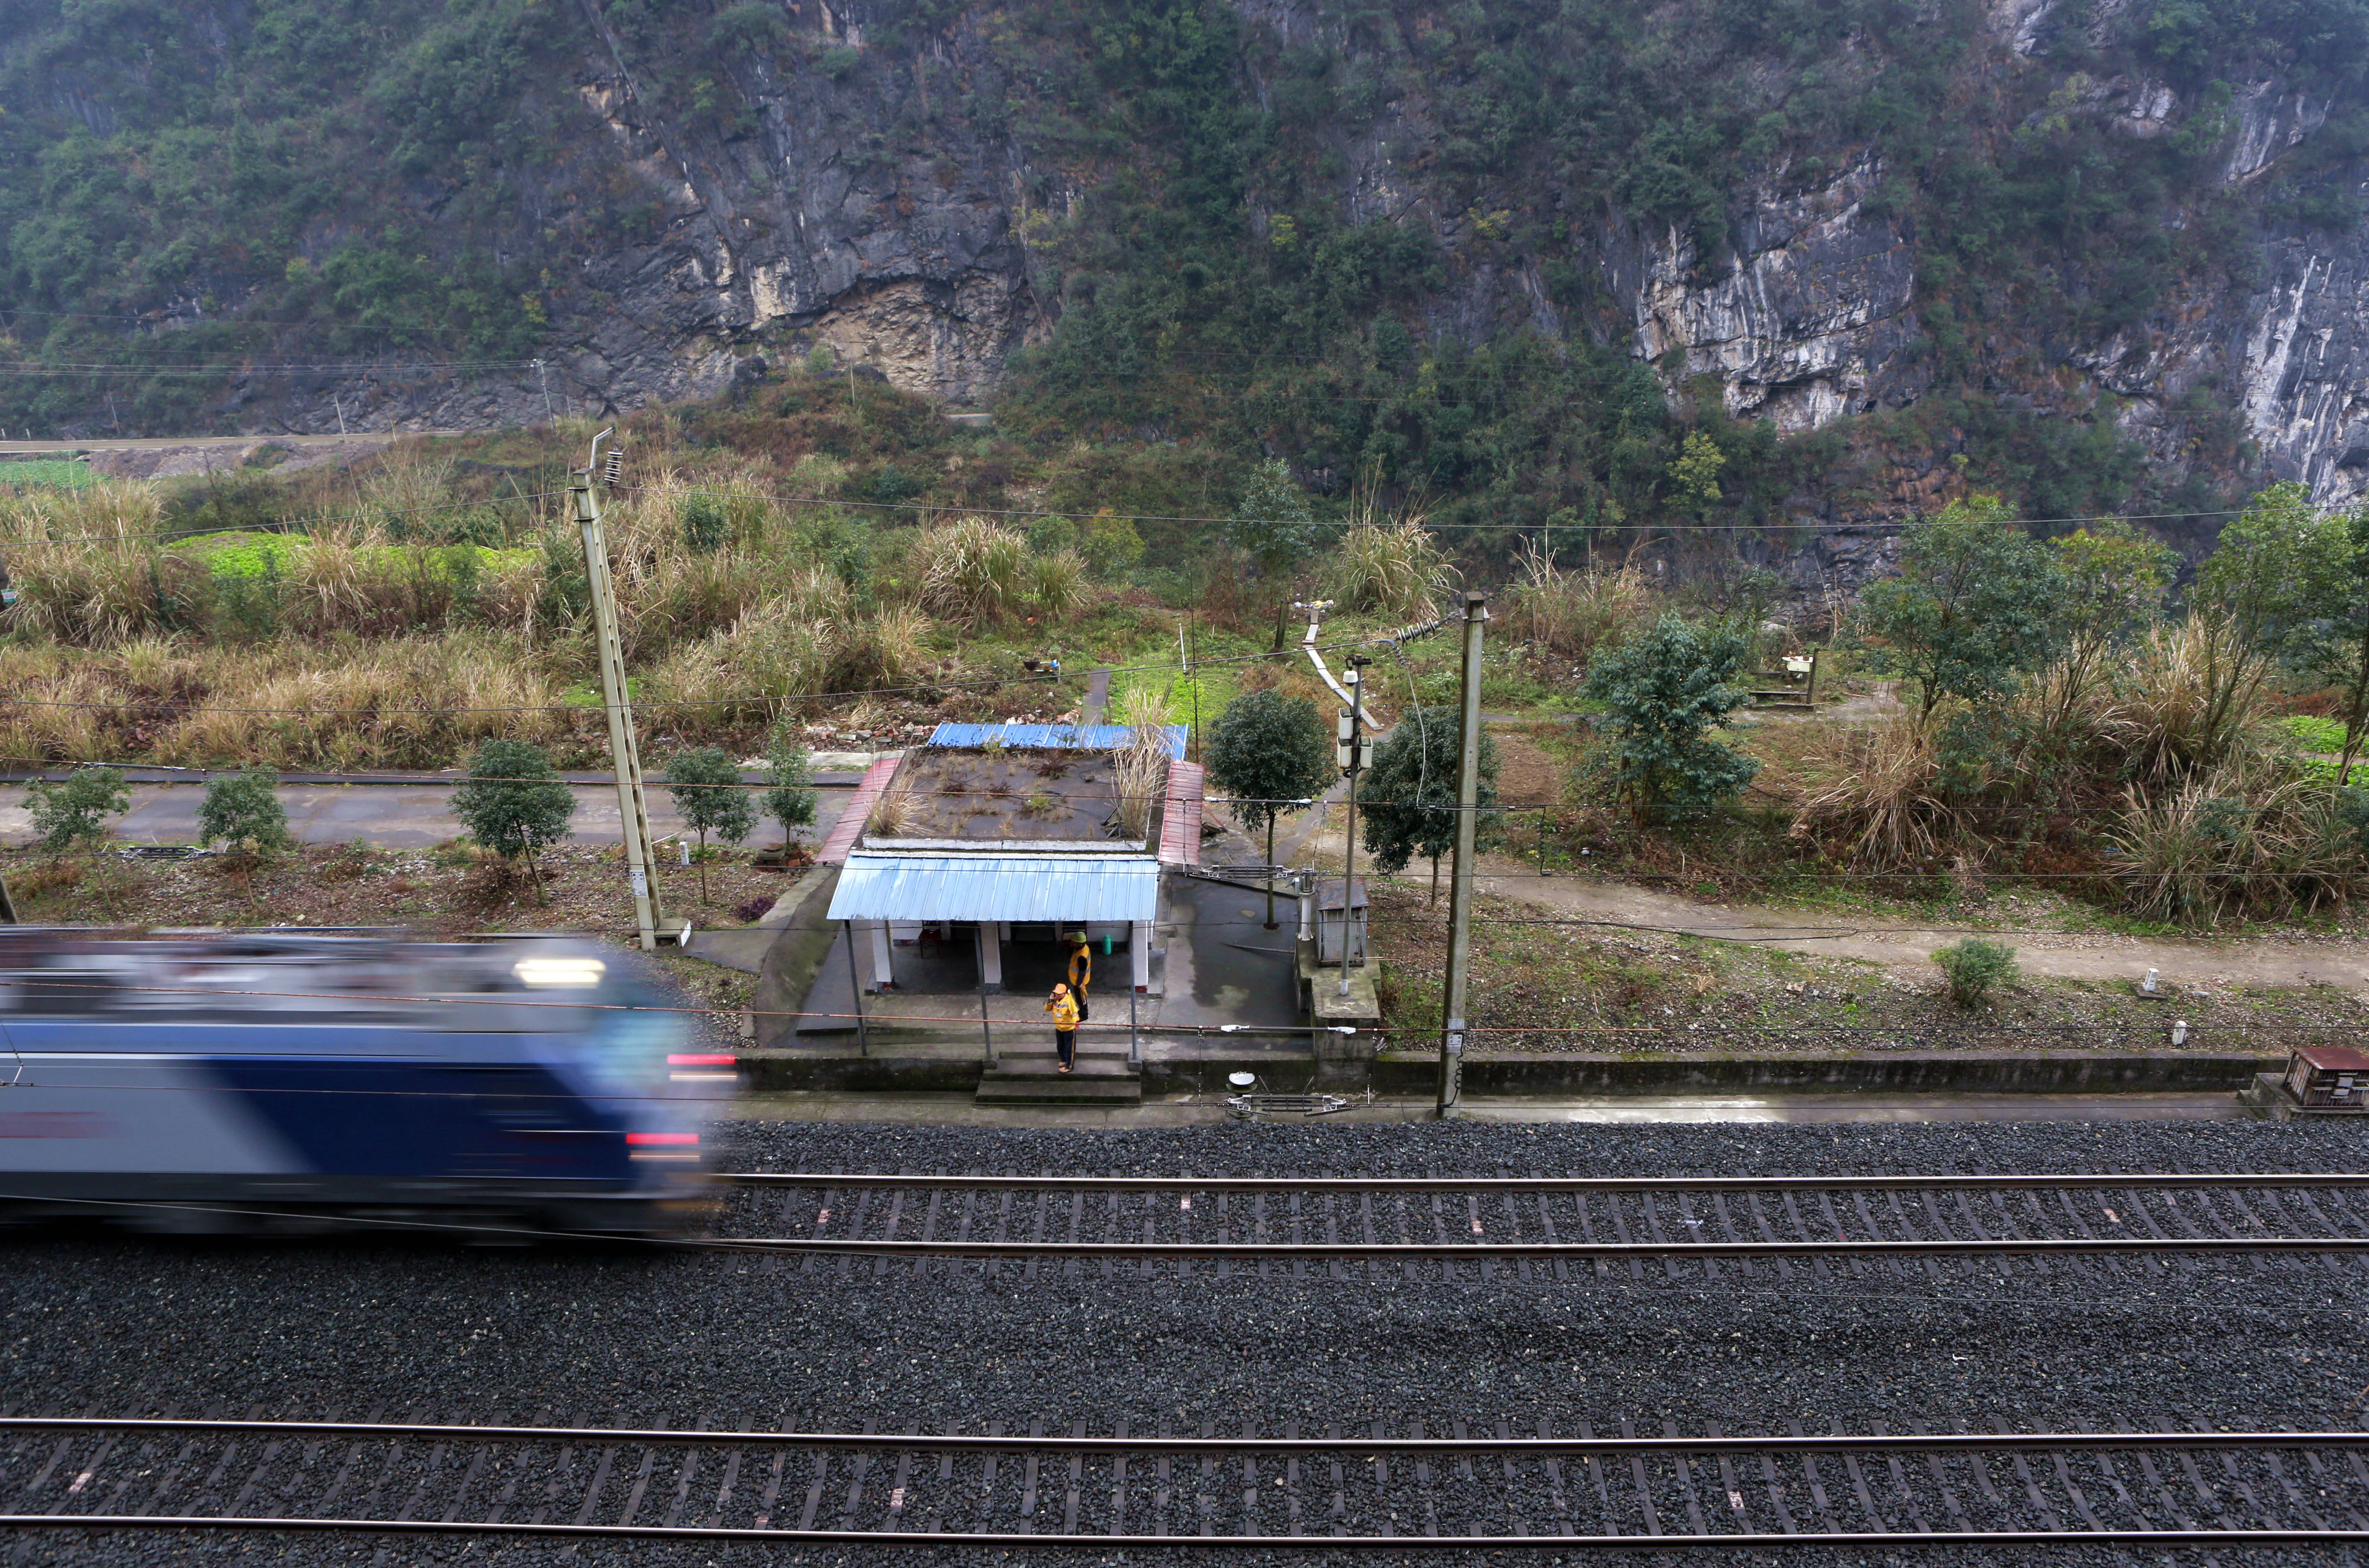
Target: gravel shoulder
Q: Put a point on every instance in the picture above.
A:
(674, 1339)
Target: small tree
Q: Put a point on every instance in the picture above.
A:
(514, 803)
(1972, 608)
(707, 790)
(2261, 598)
(1272, 522)
(74, 810)
(1408, 799)
(2336, 648)
(242, 810)
(1974, 966)
(1269, 751)
(2111, 580)
(1664, 692)
(791, 800)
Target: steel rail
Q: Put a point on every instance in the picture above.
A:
(1410, 1250)
(1830, 1443)
(1542, 1183)
(1025, 1540)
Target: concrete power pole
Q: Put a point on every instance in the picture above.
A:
(625, 751)
(1453, 1011)
(1354, 753)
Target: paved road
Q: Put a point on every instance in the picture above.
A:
(391, 816)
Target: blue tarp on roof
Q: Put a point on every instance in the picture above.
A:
(1067, 737)
(997, 888)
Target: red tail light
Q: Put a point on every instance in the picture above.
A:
(674, 1137)
(700, 1058)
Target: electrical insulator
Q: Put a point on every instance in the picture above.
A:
(612, 468)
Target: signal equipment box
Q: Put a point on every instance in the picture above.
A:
(2328, 1078)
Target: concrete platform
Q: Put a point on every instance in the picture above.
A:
(1034, 1079)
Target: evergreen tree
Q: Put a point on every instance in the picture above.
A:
(1272, 524)
(707, 790)
(1407, 802)
(514, 802)
(1974, 608)
(1269, 751)
(1662, 694)
(791, 800)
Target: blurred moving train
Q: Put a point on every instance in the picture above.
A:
(288, 1082)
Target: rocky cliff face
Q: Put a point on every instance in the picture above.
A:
(877, 192)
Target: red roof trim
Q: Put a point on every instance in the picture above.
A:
(841, 842)
(1180, 823)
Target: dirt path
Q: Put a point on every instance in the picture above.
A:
(2084, 955)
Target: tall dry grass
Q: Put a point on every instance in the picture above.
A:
(2236, 838)
(972, 569)
(416, 702)
(86, 563)
(1392, 566)
(1569, 614)
(1889, 808)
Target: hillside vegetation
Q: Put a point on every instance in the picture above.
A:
(1375, 240)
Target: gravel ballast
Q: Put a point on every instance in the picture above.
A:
(423, 1331)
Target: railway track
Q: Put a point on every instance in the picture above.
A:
(1529, 1227)
(1371, 1485)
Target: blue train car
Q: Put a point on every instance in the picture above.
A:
(286, 1082)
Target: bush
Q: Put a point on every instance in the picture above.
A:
(242, 809)
(1974, 966)
(74, 810)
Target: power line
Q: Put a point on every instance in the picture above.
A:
(1583, 528)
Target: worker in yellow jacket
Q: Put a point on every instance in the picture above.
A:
(1064, 1009)
(1081, 973)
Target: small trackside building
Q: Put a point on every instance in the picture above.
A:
(1009, 837)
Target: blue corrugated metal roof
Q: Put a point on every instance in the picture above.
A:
(996, 888)
(1067, 737)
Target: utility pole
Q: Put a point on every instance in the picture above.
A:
(625, 751)
(1459, 887)
(1353, 754)
(543, 379)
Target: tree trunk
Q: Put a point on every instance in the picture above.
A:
(2354, 717)
(1270, 866)
(704, 899)
(1434, 879)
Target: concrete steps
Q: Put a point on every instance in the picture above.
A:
(1027, 1078)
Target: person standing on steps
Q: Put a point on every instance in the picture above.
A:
(1064, 1009)
(1081, 973)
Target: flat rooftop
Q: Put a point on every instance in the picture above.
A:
(987, 795)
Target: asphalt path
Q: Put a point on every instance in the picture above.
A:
(175, 443)
(391, 816)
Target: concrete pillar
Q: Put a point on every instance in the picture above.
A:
(990, 956)
(1138, 953)
(882, 978)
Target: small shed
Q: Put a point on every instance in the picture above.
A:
(1000, 834)
(1328, 924)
